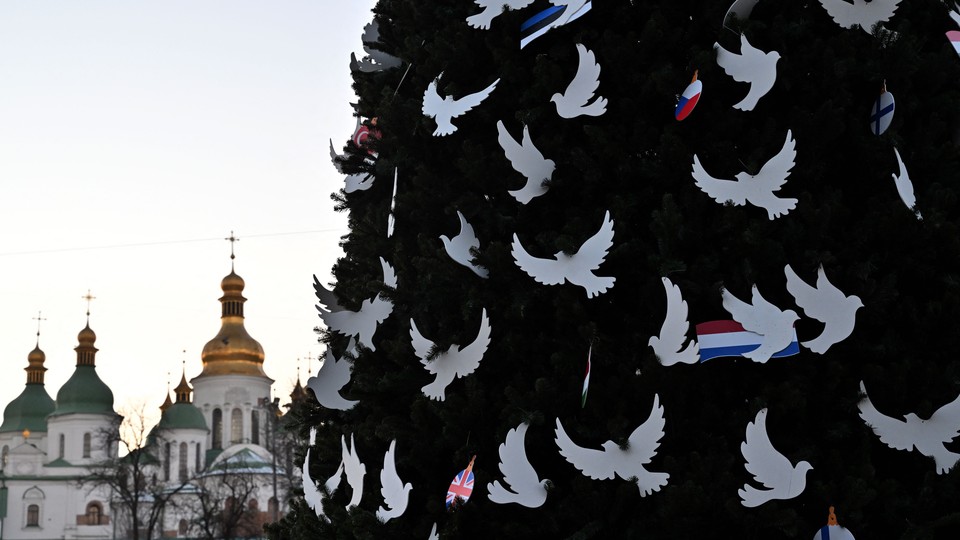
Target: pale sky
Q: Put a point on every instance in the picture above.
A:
(134, 137)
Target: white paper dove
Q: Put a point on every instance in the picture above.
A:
(905, 187)
(523, 486)
(527, 160)
(752, 66)
(573, 9)
(358, 182)
(754, 189)
(335, 158)
(826, 304)
(459, 248)
(669, 345)
(762, 317)
(452, 363)
(612, 460)
(311, 494)
(375, 60)
(393, 201)
(444, 109)
(433, 533)
(332, 376)
(577, 268)
(353, 469)
(926, 436)
(860, 12)
(492, 8)
(955, 15)
(576, 99)
(395, 493)
(782, 479)
(363, 323)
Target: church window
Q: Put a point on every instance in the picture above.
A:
(33, 500)
(236, 426)
(62, 446)
(255, 427)
(217, 428)
(86, 445)
(6, 456)
(182, 528)
(166, 462)
(94, 514)
(33, 515)
(196, 466)
(183, 462)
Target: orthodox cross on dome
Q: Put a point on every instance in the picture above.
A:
(232, 239)
(89, 298)
(309, 358)
(38, 318)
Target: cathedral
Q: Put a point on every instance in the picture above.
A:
(220, 427)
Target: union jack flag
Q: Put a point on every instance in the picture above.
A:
(461, 487)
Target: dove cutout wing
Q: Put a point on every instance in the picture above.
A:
(926, 436)
(311, 494)
(612, 460)
(768, 466)
(332, 376)
(361, 324)
(577, 268)
(573, 10)
(669, 345)
(527, 160)
(393, 202)
(460, 247)
(862, 13)
(445, 109)
(576, 99)
(827, 304)
(376, 60)
(757, 189)
(761, 317)
(905, 186)
(521, 484)
(452, 363)
(433, 533)
(353, 469)
(752, 66)
(395, 493)
(492, 8)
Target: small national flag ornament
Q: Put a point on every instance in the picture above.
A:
(882, 112)
(689, 98)
(553, 16)
(586, 380)
(461, 487)
(954, 37)
(728, 338)
(833, 531)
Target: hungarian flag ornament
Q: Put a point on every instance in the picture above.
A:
(688, 100)
(882, 112)
(462, 486)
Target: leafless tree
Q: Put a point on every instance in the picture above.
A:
(224, 501)
(138, 497)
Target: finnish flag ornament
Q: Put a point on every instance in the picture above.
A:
(882, 112)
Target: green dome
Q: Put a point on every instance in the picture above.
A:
(84, 392)
(28, 411)
(182, 416)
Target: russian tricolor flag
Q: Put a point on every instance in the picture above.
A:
(728, 338)
(689, 99)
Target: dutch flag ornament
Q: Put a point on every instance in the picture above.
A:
(688, 100)
(954, 37)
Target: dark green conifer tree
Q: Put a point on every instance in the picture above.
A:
(635, 162)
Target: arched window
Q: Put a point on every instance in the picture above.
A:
(62, 446)
(94, 514)
(183, 462)
(86, 445)
(236, 426)
(217, 428)
(182, 528)
(166, 462)
(255, 427)
(196, 466)
(32, 503)
(5, 457)
(33, 515)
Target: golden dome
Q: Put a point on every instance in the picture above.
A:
(86, 336)
(36, 357)
(232, 351)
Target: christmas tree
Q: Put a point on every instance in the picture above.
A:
(823, 196)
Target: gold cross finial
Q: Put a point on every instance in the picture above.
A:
(233, 239)
(38, 318)
(89, 298)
